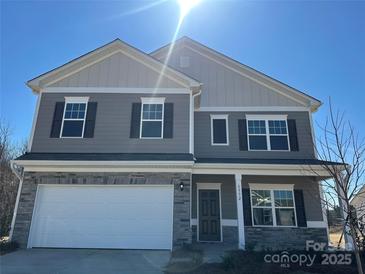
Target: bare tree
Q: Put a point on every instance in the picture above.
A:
(8, 180)
(342, 151)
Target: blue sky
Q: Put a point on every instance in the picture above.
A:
(315, 46)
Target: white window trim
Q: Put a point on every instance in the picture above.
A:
(209, 186)
(147, 101)
(74, 100)
(271, 188)
(220, 117)
(267, 118)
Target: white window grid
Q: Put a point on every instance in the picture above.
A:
(273, 207)
(74, 119)
(267, 134)
(152, 120)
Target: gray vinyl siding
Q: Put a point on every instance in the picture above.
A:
(223, 87)
(203, 147)
(229, 206)
(117, 70)
(310, 187)
(112, 127)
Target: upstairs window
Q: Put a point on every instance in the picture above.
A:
(152, 117)
(219, 130)
(73, 123)
(273, 206)
(267, 132)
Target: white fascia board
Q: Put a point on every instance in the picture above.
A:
(252, 109)
(124, 48)
(115, 90)
(260, 169)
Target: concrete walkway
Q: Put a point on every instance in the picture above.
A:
(88, 261)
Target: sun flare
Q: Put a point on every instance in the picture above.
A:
(186, 6)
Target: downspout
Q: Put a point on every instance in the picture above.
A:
(19, 175)
(192, 108)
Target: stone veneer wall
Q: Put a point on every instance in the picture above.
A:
(282, 238)
(181, 228)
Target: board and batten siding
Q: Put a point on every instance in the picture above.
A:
(117, 70)
(204, 149)
(112, 126)
(223, 87)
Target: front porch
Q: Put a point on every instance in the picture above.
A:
(221, 212)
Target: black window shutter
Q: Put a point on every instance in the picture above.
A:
(293, 138)
(135, 120)
(246, 199)
(299, 208)
(90, 120)
(168, 124)
(242, 134)
(57, 120)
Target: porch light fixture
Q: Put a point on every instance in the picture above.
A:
(181, 186)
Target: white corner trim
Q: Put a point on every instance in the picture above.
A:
(115, 90)
(317, 224)
(35, 118)
(271, 186)
(253, 109)
(240, 214)
(153, 100)
(74, 99)
(266, 117)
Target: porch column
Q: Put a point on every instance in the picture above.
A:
(240, 221)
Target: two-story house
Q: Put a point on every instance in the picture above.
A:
(152, 151)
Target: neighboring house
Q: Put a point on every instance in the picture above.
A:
(128, 153)
(358, 202)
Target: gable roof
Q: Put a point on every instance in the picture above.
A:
(99, 54)
(245, 70)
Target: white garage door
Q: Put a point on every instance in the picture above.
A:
(131, 217)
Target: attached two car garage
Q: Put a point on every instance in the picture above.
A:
(117, 216)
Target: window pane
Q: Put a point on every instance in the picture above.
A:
(152, 111)
(258, 142)
(151, 128)
(283, 198)
(262, 216)
(285, 216)
(72, 128)
(277, 127)
(219, 131)
(279, 142)
(256, 127)
(261, 198)
(75, 111)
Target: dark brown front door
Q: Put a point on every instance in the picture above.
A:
(209, 216)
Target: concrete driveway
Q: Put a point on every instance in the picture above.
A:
(62, 261)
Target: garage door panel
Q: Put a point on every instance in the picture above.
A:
(103, 217)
